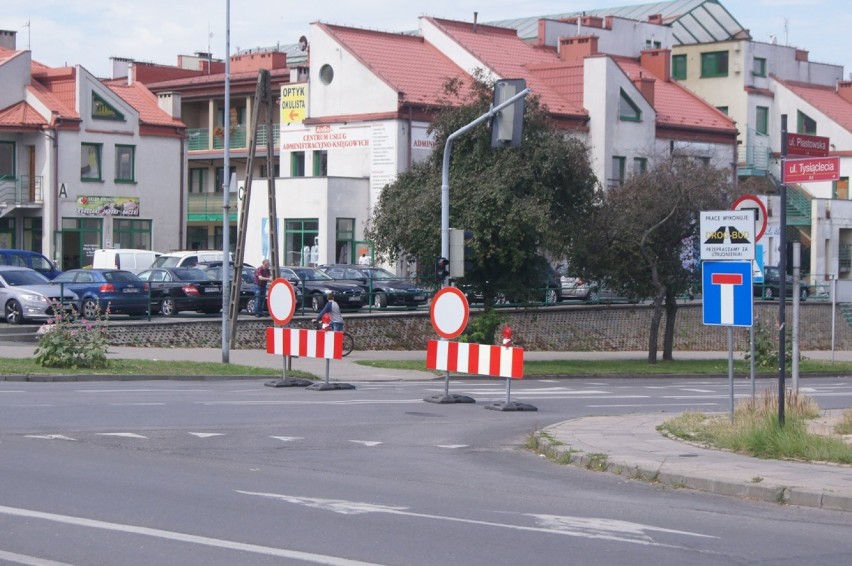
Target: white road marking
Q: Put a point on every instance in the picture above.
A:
(339, 402)
(51, 437)
(143, 391)
(366, 442)
(187, 538)
(135, 404)
(29, 560)
(206, 434)
(453, 445)
(700, 390)
(655, 405)
(591, 528)
(122, 434)
(287, 438)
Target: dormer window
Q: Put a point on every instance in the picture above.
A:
(806, 124)
(627, 109)
(103, 110)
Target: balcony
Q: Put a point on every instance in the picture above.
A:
(24, 191)
(200, 139)
(207, 207)
(754, 156)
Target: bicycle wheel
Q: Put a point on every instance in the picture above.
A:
(348, 344)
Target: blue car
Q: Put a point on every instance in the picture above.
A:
(105, 290)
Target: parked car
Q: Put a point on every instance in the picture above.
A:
(26, 294)
(102, 290)
(131, 260)
(189, 258)
(381, 287)
(247, 284)
(27, 258)
(770, 288)
(315, 285)
(176, 289)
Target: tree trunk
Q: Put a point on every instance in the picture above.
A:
(656, 317)
(668, 336)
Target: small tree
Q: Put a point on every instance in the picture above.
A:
(640, 239)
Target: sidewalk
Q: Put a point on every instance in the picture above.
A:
(631, 446)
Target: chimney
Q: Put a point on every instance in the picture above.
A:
(130, 71)
(645, 85)
(658, 61)
(169, 102)
(844, 89)
(655, 19)
(7, 39)
(801, 55)
(578, 47)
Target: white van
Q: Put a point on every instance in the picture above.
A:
(135, 261)
(189, 258)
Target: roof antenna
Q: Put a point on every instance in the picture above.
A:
(475, 16)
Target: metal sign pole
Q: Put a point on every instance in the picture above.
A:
(731, 371)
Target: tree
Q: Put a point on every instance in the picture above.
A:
(518, 202)
(642, 238)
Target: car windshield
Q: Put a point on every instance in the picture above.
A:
(189, 274)
(166, 261)
(120, 277)
(311, 275)
(15, 278)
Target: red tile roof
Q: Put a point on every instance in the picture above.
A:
(406, 63)
(503, 53)
(144, 101)
(21, 114)
(675, 105)
(825, 99)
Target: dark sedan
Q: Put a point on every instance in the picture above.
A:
(770, 287)
(176, 289)
(247, 285)
(102, 291)
(315, 286)
(382, 287)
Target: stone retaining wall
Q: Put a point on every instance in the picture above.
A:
(575, 328)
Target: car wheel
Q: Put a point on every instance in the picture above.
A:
(803, 294)
(90, 309)
(168, 306)
(14, 313)
(551, 297)
(317, 302)
(380, 300)
(594, 297)
(768, 294)
(250, 305)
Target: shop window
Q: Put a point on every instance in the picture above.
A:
(301, 241)
(90, 162)
(131, 233)
(714, 64)
(345, 240)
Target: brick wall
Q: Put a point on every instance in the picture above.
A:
(585, 328)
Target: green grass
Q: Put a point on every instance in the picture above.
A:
(28, 367)
(755, 431)
(592, 368)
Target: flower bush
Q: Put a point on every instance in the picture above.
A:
(67, 341)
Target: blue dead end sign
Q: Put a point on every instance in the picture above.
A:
(727, 293)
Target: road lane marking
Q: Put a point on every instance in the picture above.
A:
(206, 434)
(452, 446)
(287, 438)
(366, 442)
(122, 434)
(51, 437)
(183, 537)
(29, 560)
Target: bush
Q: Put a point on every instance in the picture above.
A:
(766, 346)
(482, 328)
(70, 342)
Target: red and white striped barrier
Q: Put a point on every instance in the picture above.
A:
(304, 343)
(497, 361)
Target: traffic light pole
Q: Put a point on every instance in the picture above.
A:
(445, 172)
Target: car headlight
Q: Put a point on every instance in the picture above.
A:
(34, 298)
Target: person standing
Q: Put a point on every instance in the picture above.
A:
(262, 277)
(364, 259)
(333, 310)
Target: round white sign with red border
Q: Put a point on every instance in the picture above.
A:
(281, 301)
(449, 312)
(749, 201)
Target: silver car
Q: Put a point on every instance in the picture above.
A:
(26, 294)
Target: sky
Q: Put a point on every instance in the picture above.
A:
(89, 32)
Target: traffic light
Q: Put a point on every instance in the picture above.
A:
(461, 252)
(508, 124)
(442, 268)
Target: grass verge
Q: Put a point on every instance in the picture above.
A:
(755, 431)
(592, 368)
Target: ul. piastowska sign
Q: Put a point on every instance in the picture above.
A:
(727, 235)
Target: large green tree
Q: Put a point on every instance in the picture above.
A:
(518, 202)
(642, 239)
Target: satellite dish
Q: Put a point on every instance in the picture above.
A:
(303, 43)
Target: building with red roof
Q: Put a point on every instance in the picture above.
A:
(85, 164)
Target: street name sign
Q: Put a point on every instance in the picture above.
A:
(727, 293)
(809, 170)
(807, 146)
(727, 235)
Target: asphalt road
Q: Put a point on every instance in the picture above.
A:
(234, 472)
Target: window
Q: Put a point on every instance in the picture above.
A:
(7, 160)
(651, 44)
(220, 178)
(640, 165)
(722, 109)
(297, 164)
(320, 163)
(103, 110)
(7, 234)
(627, 109)
(125, 164)
(762, 120)
(301, 241)
(679, 67)
(806, 124)
(618, 164)
(276, 171)
(344, 246)
(759, 67)
(90, 162)
(132, 234)
(714, 64)
(196, 180)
